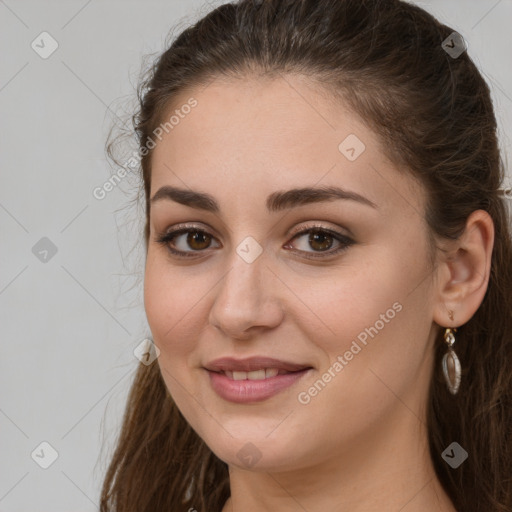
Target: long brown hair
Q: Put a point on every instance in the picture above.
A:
(434, 115)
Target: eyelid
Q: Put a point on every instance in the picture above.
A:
(199, 226)
(316, 224)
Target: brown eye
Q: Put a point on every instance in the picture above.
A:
(198, 240)
(320, 240)
(190, 242)
(186, 241)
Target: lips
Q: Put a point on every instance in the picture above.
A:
(254, 379)
(253, 364)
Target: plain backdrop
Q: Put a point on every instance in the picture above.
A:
(71, 268)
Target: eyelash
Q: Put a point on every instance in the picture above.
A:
(345, 241)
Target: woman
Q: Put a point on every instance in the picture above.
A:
(328, 274)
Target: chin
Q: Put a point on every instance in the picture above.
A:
(257, 453)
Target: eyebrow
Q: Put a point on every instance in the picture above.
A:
(277, 201)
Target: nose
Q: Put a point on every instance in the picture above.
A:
(246, 301)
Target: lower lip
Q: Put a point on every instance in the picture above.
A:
(247, 391)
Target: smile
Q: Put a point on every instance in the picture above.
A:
(254, 375)
(253, 386)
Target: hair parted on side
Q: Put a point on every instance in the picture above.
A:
(435, 118)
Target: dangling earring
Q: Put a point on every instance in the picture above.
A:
(451, 363)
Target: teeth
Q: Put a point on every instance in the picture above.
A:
(254, 375)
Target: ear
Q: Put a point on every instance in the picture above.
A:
(463, 271)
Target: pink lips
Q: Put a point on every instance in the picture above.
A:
(246, 391)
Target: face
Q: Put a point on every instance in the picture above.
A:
(338, 285)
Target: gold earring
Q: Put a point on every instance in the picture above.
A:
(451, 363)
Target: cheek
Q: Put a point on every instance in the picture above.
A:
(375, 354)
(371, 315)
(349, 302)
(158, 297)
(169, 300)
(172, 300)
(169, 309)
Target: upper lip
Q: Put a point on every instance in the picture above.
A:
(251, 364)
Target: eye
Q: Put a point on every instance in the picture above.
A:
(177, 240)
(317, 237)
(321, 240)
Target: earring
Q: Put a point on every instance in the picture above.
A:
(451, 363)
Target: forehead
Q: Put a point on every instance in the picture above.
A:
(253, 134)
(273, 112)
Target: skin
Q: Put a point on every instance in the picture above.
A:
(360, 444)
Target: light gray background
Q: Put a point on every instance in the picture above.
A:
(69, 325)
